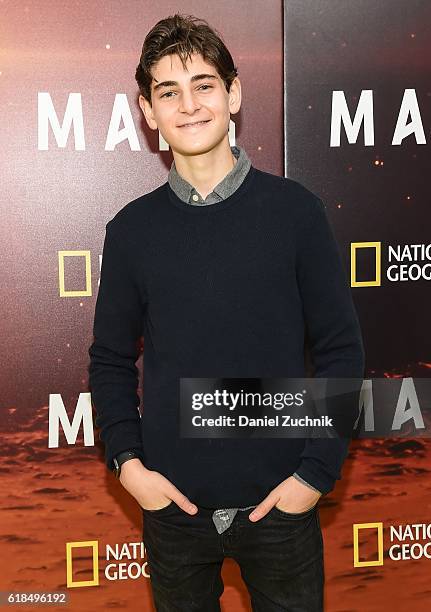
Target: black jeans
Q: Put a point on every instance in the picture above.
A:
(280, 559)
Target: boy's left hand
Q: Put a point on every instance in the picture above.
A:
(290, 495)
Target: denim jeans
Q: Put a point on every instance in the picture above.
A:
(280, 559)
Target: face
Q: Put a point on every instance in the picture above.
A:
(196, 96)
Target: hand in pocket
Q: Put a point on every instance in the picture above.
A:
(152, 490)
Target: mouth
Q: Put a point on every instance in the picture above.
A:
(195, 124)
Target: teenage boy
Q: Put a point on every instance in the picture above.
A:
(225, 270)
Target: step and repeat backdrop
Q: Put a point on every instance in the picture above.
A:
(357, 131)
(336, 95)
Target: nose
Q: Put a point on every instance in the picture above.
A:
(188, 103)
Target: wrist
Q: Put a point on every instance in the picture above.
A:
(122, 459)
(306, 483)
(131, 468)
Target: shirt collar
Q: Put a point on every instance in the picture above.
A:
(230, 183)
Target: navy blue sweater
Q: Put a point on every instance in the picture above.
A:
(229, 290)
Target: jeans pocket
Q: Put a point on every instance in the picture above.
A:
(160, 510)
(294, 515)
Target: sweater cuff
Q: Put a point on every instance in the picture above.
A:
(298, 477)
(119, 438)
(315, 476)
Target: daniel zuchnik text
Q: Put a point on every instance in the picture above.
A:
(244, 421)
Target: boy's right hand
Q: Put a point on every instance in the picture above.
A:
(151, 489)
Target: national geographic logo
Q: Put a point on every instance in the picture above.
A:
(376, 529)
(85, 258)
(408, 262)
(123, 562)
(407, 542)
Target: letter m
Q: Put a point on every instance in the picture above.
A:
(46, 115)
(363, 115)
(57, 414)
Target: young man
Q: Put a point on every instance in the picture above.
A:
(223, 269)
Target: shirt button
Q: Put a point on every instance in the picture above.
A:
(195, 197)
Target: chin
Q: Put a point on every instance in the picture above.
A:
(186, 146)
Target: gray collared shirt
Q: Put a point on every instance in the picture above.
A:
(230, 183)
(222, 517)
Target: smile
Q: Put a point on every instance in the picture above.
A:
(197, 124)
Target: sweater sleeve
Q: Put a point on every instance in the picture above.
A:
(334, 333)
(113, 374)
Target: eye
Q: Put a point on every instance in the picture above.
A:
(207, 86)
(165, 94)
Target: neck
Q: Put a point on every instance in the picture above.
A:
(205, 170)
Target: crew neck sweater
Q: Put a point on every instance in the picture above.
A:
(230, 290)
(222, 517)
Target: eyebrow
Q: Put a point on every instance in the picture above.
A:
(195, 77)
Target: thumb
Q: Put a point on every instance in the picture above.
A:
(181, 500)
(263, 508)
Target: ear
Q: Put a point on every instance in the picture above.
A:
(147, 110)
(235, 96)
